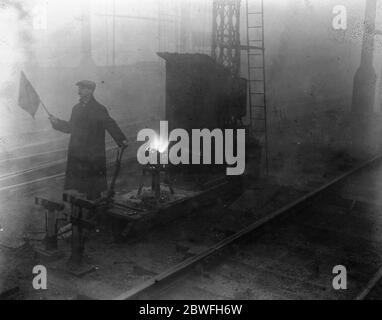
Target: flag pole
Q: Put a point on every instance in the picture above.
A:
(46, 110)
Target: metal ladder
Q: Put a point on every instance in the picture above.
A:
(256, 76)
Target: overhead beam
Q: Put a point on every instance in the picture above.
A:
(135, 17)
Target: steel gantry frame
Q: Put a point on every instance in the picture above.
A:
(226, 34)
(226, 50)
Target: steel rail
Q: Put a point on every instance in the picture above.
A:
(58, 175)
(44, 165)
(21, 157)
(153, 283)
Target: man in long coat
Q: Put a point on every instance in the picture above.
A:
(86, 165)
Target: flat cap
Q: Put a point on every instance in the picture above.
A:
(86, 84)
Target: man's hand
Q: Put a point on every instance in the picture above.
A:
(53, 119)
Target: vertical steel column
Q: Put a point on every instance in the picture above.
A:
(113, 62)
(86, 58)
(185, 26)
(365, 77)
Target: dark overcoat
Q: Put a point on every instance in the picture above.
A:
(86, 165)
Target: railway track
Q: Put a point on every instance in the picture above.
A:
(49, 170)
(291, 253)
(43, 148)
(288, 254)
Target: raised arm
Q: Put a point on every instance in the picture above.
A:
(60, 125)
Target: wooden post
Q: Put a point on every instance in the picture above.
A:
(77, 237)
(51, 229)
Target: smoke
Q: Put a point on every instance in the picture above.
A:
(16, 40)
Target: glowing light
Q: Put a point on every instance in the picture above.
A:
(159, 145)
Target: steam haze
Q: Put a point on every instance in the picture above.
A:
(308, 63)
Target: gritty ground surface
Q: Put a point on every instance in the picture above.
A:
(298, 165)
(293, 258)
(122, 266)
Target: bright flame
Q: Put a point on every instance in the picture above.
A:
(159, 144)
